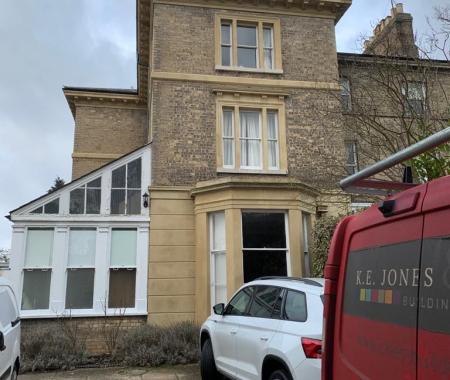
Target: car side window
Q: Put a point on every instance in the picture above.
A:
(264, 300)
(239, 304)
(295, 306)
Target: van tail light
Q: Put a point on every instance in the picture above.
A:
(312, 348)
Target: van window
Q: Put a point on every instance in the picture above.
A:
(7, 309)
(295, 306)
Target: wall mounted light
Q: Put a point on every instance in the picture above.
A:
(145, 198)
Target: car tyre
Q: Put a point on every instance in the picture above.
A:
(279, 374)
(208, 368)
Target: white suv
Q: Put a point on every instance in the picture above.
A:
(270, 330)
(9, 332)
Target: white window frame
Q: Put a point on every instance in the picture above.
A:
(286, 228)
(260, 139)
(85, 188)
(213, 254)
(232, 137)
(272, 48)
(277, 140)
(126, 188)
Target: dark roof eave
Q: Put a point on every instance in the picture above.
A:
(367, 57)
(99, 90)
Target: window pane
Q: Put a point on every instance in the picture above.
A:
(133, 202)
(122, 285)
(263, 230)
(250, 124)
(123, 247)
(246, 35)
(251, 153)
(77, 201)
(82, 247)
(118, 177)
(117, 201)
(238, 305)
(267, 37)
(295, 306)
(272, 125)
(39, 210)
(80, 288)
(247, 57)
(39, 248)
(226, 34)
(227, 123)
(226, 56)
(218, 231)
(273, 154)
(228, 154)
(264, 263)
(52, 207)
(220, 268)
(95, 183)
(93, 198)
(134, 174)
(268, 58)
(350, 147)
(36, 289)
(264, 301)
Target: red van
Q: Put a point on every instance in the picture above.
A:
(387, 290)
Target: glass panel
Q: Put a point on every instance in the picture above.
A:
(77, 201)
(39, 210)
(39, 248)
(247, 57)
(80, 288)
(273, 154)
(122, 285)
(117, 201)
(228, 155)
(264, 263)
(238, 305)
(218, 220)
(295, 306)
(95, 183)
(134, 174)
(227, 123)
(264, 301)
(350, 153)
(268, 37)
(226, 56)
(118, 177)
(220, 269)
(226, 34)
(93, 199)
(36, 289)
(246, 35)
(272, 125)
(123, 247)
(52, 207)
(82, 247)
(250, 124)
(133, 202)
(268, 62)
(263, 230)
(250, 149)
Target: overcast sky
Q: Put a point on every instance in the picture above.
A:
(47, 44)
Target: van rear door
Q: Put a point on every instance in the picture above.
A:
(434, 296)
(375, 333)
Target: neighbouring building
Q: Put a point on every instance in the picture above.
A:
(209, 175)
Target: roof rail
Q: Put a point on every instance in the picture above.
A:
(306, 281)
(359, 183)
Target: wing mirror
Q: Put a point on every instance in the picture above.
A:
(219, 308)
(2, 342)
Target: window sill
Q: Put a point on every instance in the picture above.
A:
(38, 314)
(248, 70)
(252, 171)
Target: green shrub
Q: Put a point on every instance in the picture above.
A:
(153, 346)
(321, 238)
(50, 349)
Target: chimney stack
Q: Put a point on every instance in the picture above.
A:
(393, 36)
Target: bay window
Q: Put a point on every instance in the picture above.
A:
(37, 269)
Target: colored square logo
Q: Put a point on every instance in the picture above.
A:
(362, 294)
(380, 296)
(368, 295)
(397, 297)
(374, 295)
(388, 297)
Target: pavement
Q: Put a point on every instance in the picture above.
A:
(186, 372)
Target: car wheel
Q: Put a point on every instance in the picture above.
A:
(14, 373)
(279, 374)
(208, 368)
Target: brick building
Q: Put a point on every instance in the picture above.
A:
(229, 135)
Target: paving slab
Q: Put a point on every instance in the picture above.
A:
(187, 372)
